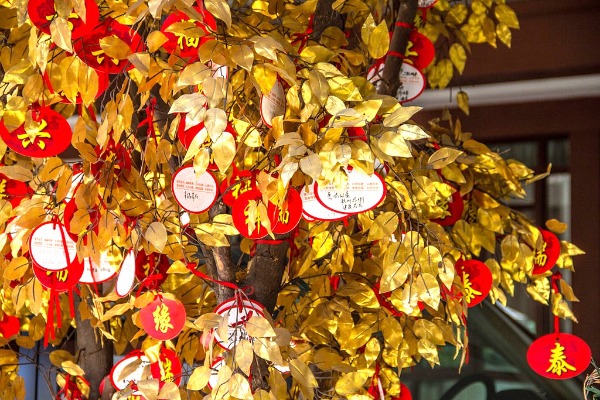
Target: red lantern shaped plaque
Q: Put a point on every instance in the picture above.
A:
(546, 256)
(9, 326)
(61, 280)
(476, 278)
(420, 50)
(187, 46)
(285, 217)
(239, 183)
(46, 134)
(12, 190)
(90, 51)
(43, 12)
(163, 319)
(155, 265)
(167, 368)
(559, 356)
(454, 206)
(242, 213)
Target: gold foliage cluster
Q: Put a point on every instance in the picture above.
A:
(378, 290)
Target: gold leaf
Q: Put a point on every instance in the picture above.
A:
(155, 40)
(258, 326)
(223, 151)
(72, 368)
(359, 293)
(239, 387)
(302, 374)
(17, 173)
(429, 351)
(352, 382)
(556, 226)
(384, 225)
(157, 235)
(220, 9)
(243, 56)
(215, 122)
(244, 355)
(400, 116)
(316, 53)
(443, 157)
(199, 378)
(394, 145)
(322, 244)
(115, 48)
(379, 41)
(57, 357)
(16, 268)
(61, 34)
(462, 99)
(506, 15)
(428, 289)
(311, 165)
(366, 29)
(458, 56)
(412, 132)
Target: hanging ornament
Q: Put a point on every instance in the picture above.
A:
(9, 326)
(178, 42)
(163, 318)
(286, 216)
(72, 389)
(272, 104)
(195, 194)
(420, 51)
(453, 206)
(361, 193)
(151, 269)
(314, 210)
(546, 256)
(237, 311)
(43, 12)
(126, 274)
(45, 133)
(12, 190)
(243, 213)
(62, 280)
(559, 356)
(167, 368)
(239, 183)
(51, 247)
(90, 50)
(476, 278)
(117, 379)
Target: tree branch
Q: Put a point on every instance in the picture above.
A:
(325, 16)
(390, 81)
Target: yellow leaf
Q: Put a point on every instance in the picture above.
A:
(506, 15)
(504, 34)
(458, 56)
(17, 173)
(115, 48)
(72, 368)
(302, 374)
(443, 157)
(428, 289)
(199, 378)
(394, 145)
(61, 34)
(412, 132)
(379, 41)
(359, 293)
(316, 53)
(219, 9)
(57, 357)
(258, 326)
(223, 151)
(556, 226)
(155, 40)
(400, 116)
(16, 268)
(322, 244)
(311, 165)
(384, 226)
(243, 56)
(352, 382)
(157, 235)
(429, 351)
(239, 387)
(244, 355)
(462, 99)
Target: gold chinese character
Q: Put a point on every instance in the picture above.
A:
(162, 319)
(409, 51)
(189, 41)
(166, 374)
(284, 217)
(540, 256)
(61, 275)
(99, 57)
(2, 189)
(31, 134)
(257, 221)
(558, 363)
(470, 293)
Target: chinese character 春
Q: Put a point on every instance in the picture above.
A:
(470, 293)
(162, 319)
(558, 363)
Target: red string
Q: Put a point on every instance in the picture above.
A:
(556, 277)
(202, 275)
(401, 24)
(396, 54)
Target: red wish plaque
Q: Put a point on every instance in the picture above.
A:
(92, 54)
(167, 368)
(51, 247)
(183, 45)
(286, 216)
(454, 206)
(155, 265)
(476, 278)
(361, 193)
(9, 326)
(61, 280)
(237, 311)
(559, 356)
(272, 104)
(163, 319)
(117, 379)
(420, 50)
(242, 214)
(47, 134)
(545, 257)
(315, 210)
(12, 190)
(43, 12)
(195, 194)
(240, 182)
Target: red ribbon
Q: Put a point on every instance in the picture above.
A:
(202, 275)
(556, 277)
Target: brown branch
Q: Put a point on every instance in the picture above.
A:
(324, 17)
(390, 82)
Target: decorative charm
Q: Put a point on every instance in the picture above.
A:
(242, 213)
(361, 193)
(163, 318)
(420, 50)
(167, 368)
(151, 269)
(195, 194)
(182, 45)
(272, 104)
(285, 217)
(239, 183)
(45, 134)
(476, 278)
(237, 311)
(43, 12)
(454, 206)
(61, 280)
(559, 356)
(546, 256)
